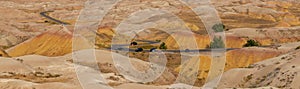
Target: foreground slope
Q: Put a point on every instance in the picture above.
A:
(41, 72)
(280, 72)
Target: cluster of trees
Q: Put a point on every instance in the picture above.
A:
(216, 43)
(161, 46)
(219, 43)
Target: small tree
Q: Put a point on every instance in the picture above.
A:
(139, 50)
(218, 27)
(133, 43)
(251, 43)
(217, 43)
(163, 46)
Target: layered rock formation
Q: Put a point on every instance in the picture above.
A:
(280, 72)
(257, 13)
(56, 43)
(234, 14)
(245, 19)
(269, 36)
(21, 20)
(235, 59)
(238, 37)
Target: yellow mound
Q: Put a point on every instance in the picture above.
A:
(104, 36)
(47, 44)
(58, 43)
(183, 39)
(236, 59)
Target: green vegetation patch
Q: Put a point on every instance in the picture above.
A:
(217, 43)
(218, 27)
(251, 43)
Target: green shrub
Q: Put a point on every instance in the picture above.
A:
(217, 43)
(163, 46)
(218, 27)
(252, 43)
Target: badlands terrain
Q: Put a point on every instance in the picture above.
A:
(36, 52)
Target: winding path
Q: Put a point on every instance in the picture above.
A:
(44, 14)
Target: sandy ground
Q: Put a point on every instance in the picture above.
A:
(33, 71)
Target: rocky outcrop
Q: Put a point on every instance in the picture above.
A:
(3, 53)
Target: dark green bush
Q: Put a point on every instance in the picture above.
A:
(217, 43)
(218, 27)
(163, 46)
(133, 43)
(251, 43)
